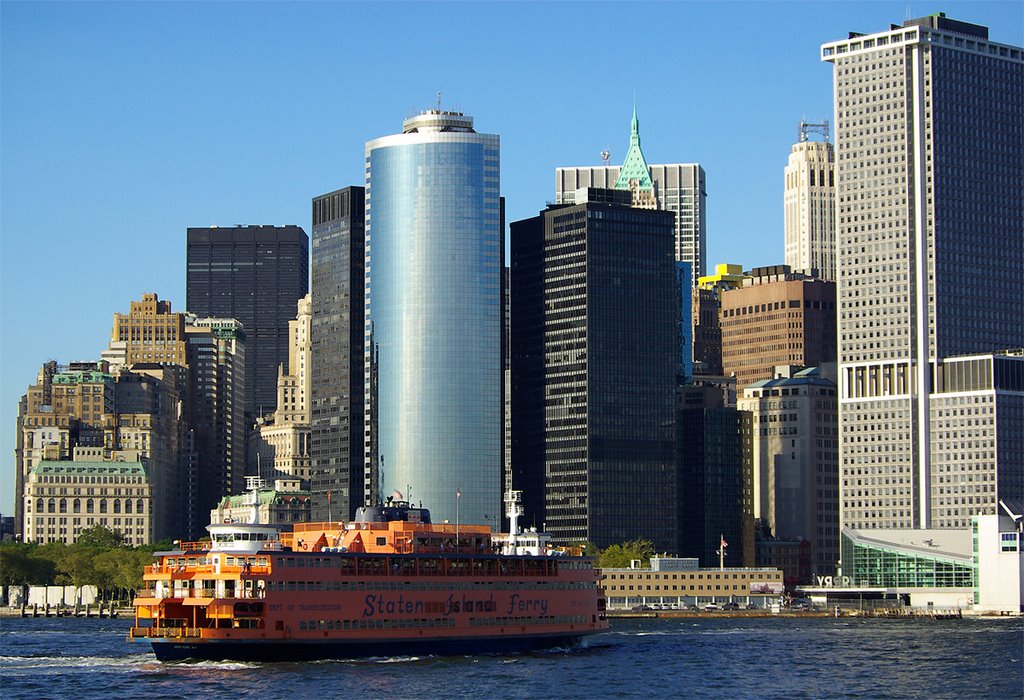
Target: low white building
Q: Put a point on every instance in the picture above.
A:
(675, 583)
(999, 559)
(978, 570)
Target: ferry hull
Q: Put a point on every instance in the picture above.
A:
(314, 650)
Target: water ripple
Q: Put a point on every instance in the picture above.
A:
(695, 658)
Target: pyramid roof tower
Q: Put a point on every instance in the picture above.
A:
(634, 168)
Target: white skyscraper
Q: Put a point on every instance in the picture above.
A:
(930, 231)
(810, 205)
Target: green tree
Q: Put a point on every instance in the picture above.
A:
(118, 570)
(98, 557)
(99, 537)
(77, 567)
(90, 560)
(619, 556)
(22, 564)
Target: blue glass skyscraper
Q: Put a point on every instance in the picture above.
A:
(433, 316)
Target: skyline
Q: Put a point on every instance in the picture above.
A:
(123, 124)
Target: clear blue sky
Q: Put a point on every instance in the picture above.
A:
(123, 123)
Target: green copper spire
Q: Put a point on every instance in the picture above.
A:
(635, 165)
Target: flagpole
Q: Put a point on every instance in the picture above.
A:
(458, 498)
(721, 552)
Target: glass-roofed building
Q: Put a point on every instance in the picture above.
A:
(980, 570)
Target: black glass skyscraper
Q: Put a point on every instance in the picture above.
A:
(710, 480)
(595, 353)
(336, 413)
(254, 274)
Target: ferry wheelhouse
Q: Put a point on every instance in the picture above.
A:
(390, 582)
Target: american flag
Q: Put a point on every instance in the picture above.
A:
(458, 493)
(724, 543)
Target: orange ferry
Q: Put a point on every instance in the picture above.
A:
(388, 583)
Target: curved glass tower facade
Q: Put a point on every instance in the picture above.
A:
(433, 316)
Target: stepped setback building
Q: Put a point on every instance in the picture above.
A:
(90, 439)
(810, 205)
(279, 446)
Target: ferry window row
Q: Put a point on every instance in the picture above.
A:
(204, 561)
(309, 625)
(770, 576)
(545, 620)
(404, 566)
(227, 537)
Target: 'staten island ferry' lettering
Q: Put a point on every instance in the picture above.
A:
(390, 582)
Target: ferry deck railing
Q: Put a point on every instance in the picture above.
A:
(164, 632)
(241, 594)
(198, 569)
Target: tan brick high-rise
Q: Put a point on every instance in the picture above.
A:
(778, 317)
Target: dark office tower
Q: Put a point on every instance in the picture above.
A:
(526, 367)
(595, 352)
(336, 415)
(506, 384)
(712, 467)
(215, 348)
(254, 274)
(707, 331)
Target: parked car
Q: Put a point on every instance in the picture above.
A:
(753, 606)
(712, 606)
(641, 608)
(731, 606)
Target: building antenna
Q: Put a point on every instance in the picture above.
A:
(807, 127)
(605, 157)
(438, 100)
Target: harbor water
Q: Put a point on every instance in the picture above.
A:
(689, 657)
